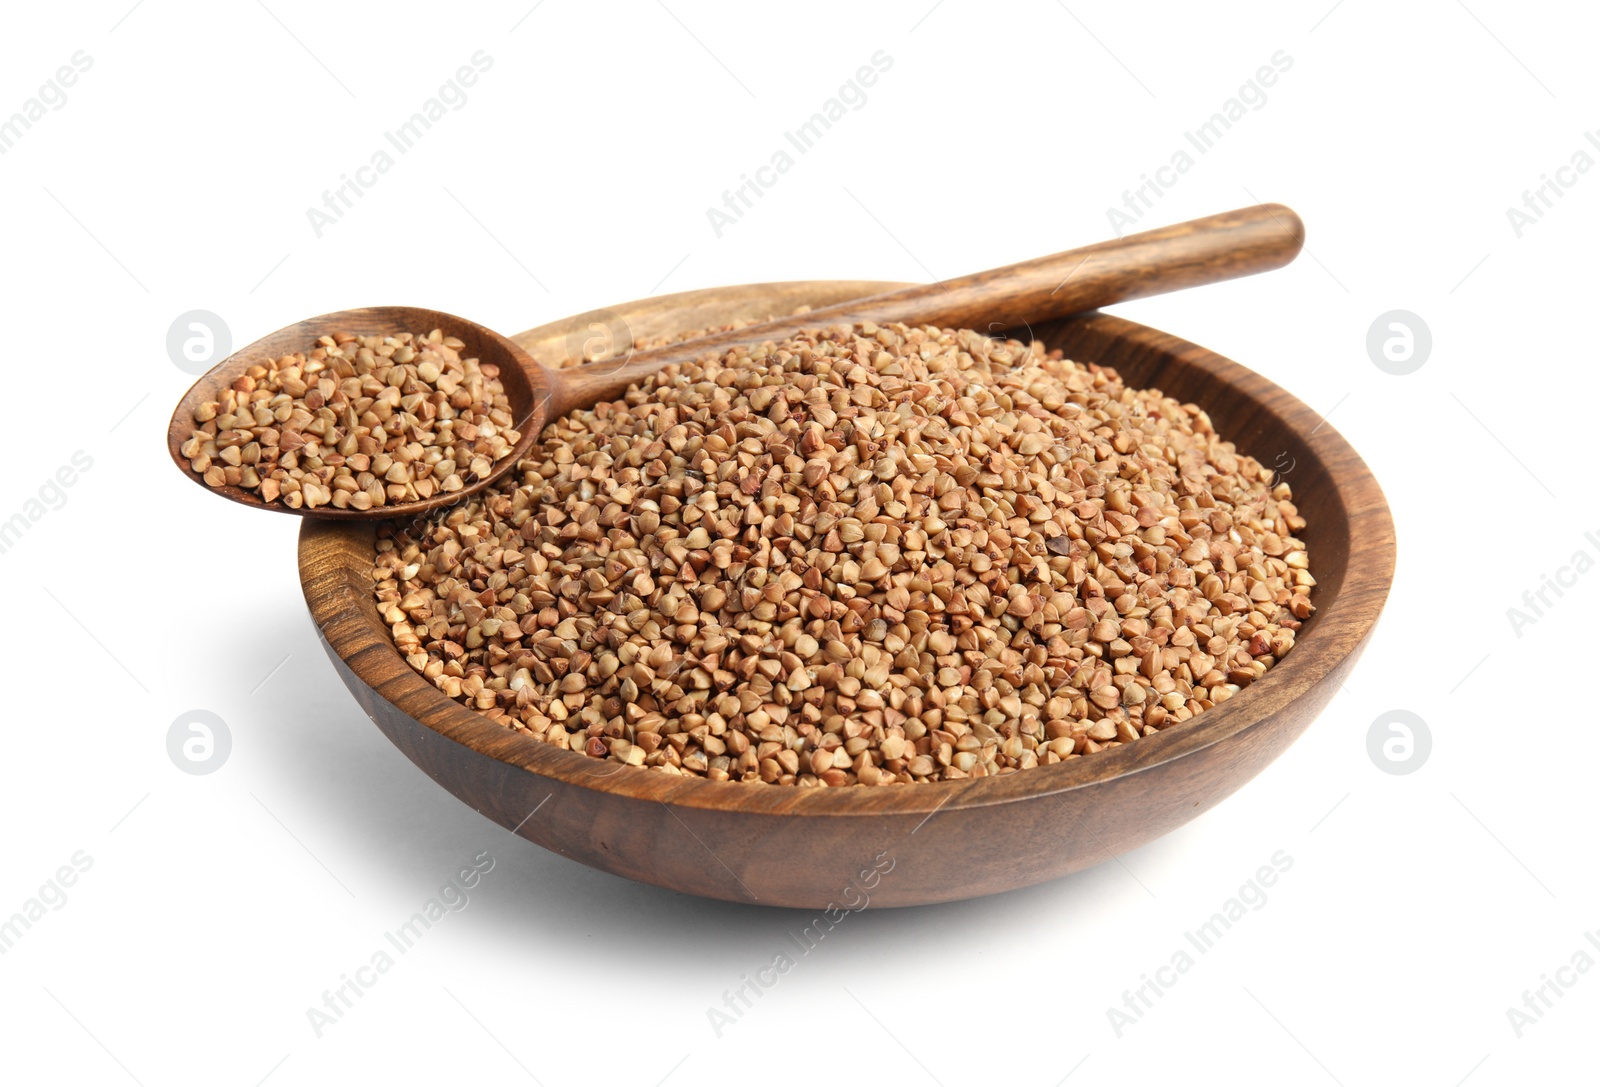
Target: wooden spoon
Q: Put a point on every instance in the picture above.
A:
(1209, 250)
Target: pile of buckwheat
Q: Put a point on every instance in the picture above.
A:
(357, 422)
(859, 556)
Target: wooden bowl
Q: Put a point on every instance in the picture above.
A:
(898, 845)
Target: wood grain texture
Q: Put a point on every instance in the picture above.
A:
(810, 847)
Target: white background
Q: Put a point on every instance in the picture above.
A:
(218, 908)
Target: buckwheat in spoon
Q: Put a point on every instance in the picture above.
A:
(390, 411)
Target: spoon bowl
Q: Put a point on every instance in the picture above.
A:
(526, 383)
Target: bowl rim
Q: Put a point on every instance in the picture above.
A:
(335, 573)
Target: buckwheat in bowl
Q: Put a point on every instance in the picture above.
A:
(771, 633)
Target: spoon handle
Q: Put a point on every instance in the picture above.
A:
(1207, 250)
